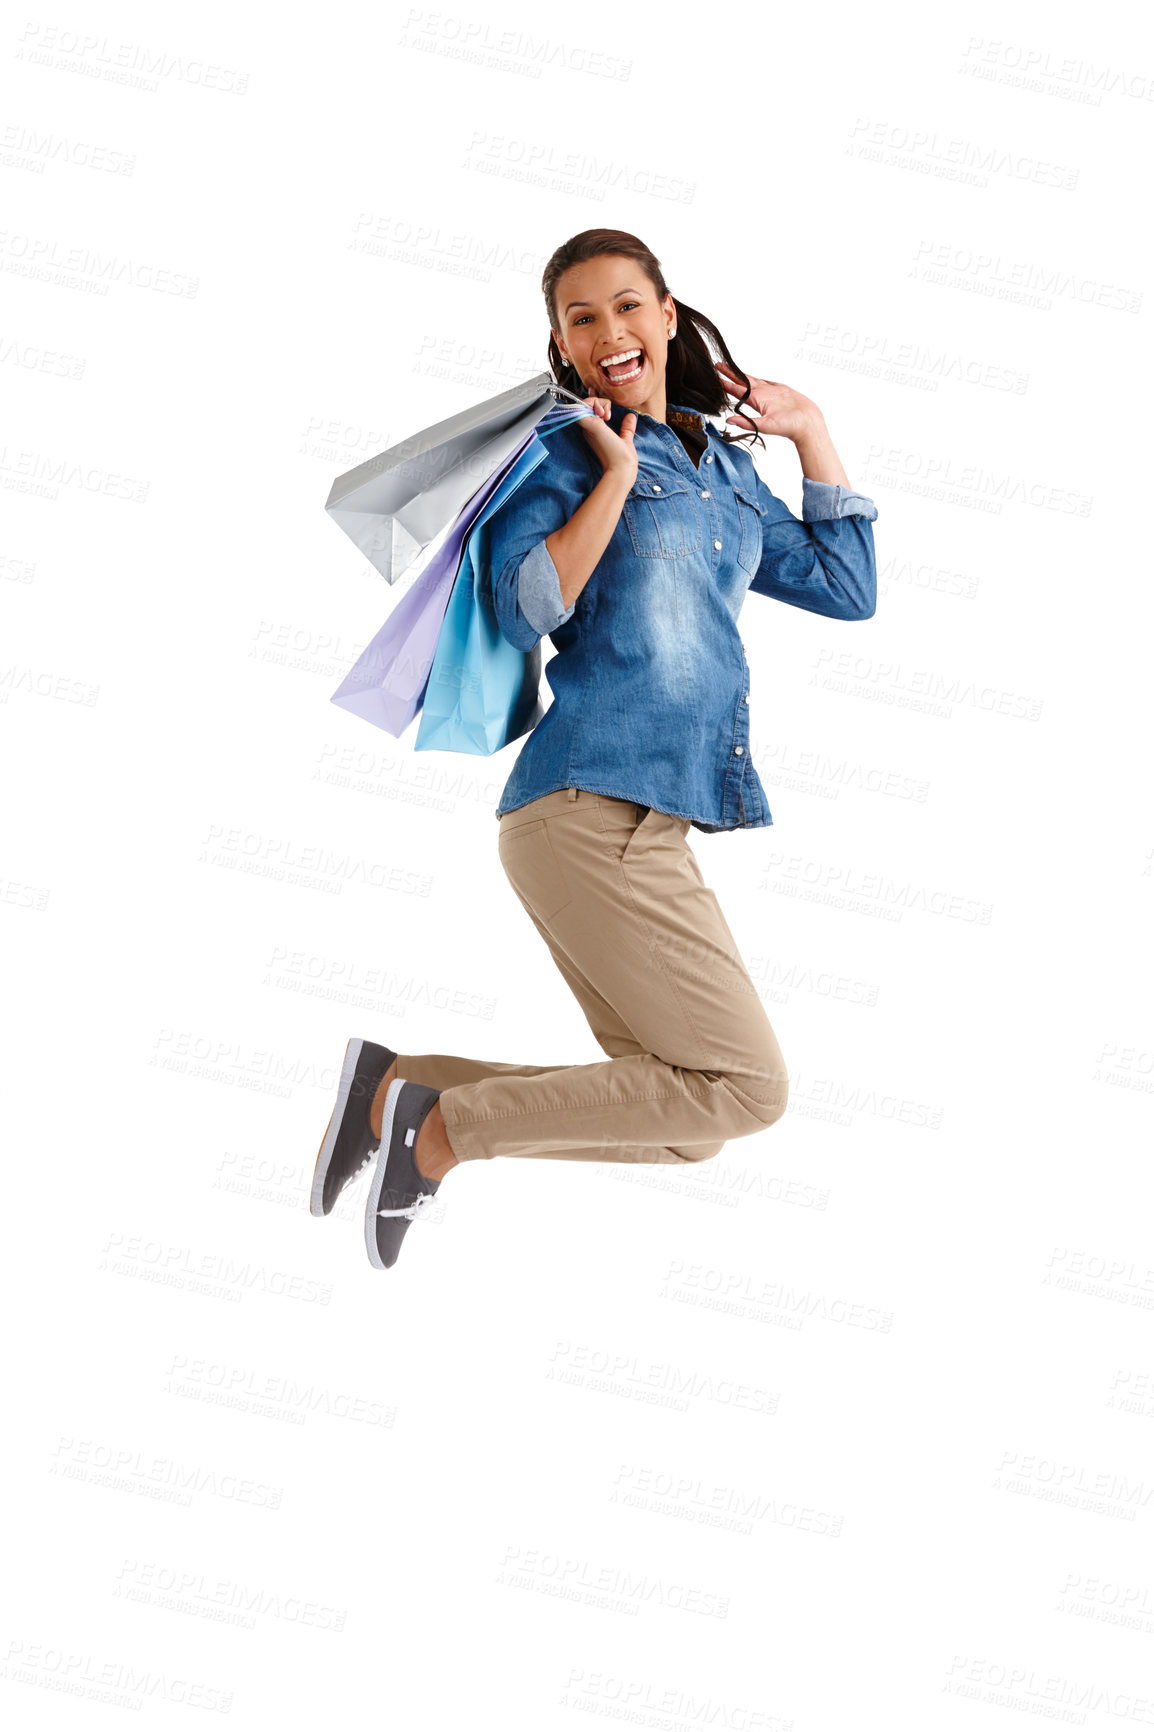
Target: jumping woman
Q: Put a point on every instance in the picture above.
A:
(631, 547)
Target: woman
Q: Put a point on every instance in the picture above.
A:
(632, 547)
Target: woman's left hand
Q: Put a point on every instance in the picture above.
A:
(770, 407)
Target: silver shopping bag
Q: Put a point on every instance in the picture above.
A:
(394, 504)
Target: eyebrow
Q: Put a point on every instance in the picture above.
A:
(616, 297)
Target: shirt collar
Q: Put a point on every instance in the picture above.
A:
(706, 423)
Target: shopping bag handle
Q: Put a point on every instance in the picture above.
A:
(560, 391)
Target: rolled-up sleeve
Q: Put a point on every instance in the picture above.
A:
(821, 500)
(539, 591)
(826, 563)
(524, 585)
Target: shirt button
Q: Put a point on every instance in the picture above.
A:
(705, 493)
(739, 750)
(709, 459)
(745, 699)
(656, 487)
(717, 544)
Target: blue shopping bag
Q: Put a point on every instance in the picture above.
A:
(483, 692)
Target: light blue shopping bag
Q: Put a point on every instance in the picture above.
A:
(482, 691)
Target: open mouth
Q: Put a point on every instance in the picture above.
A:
(624, 367)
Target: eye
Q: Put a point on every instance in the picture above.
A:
(585, 316)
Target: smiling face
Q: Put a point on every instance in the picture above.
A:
(608, 311)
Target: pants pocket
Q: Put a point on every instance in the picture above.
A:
(621, 824)
(648, 818)
(533, 869)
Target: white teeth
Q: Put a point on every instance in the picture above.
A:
(623, 378)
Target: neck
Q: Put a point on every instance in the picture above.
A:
(653, 405)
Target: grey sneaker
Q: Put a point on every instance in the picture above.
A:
(349, 1142)
(398, 1190)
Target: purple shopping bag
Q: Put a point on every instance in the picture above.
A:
(385, 686)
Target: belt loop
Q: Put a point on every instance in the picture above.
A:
(572, 793)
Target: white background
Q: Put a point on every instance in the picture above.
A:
(852, 1426)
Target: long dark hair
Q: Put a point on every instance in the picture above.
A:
(690, 376)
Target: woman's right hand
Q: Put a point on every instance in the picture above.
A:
(616, 452)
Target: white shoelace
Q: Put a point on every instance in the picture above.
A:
(414, 1209)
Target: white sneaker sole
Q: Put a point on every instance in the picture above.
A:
(377, 1182)
(348, 1072)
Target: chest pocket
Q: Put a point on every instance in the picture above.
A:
(661, 519)
(749, 514)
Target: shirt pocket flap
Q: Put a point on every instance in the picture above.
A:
(646, 487)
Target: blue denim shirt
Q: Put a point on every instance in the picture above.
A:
(650, 683)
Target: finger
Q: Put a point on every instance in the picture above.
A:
(739, 385)
(600, 415)
(736, 389)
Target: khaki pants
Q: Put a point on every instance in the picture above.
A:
(615, 891)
